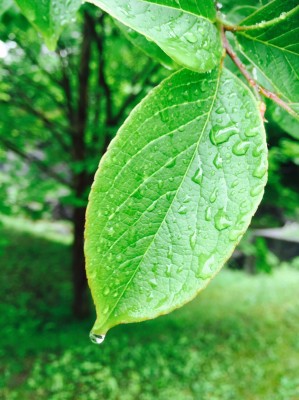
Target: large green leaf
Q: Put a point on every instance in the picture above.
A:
(173, 196)
(49, 16)
(198, 7)
(148, 47)
(190, 40)
(273, 46)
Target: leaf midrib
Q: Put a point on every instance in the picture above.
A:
(169, 208)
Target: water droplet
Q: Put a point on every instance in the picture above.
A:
(208, 214)
(182, 209)
(169, 253)
(252, 132)
(193, 240)
(235, 183)
(257, 151)
(168, 270)
(245, 206)
(218, 161)
(160, 184)
(255, 191)
(151, 207)
(106, 291)
(97, 339)
(165, 115)
(221, 220)
(119, 257)
(153, 282)
(190, 37)
(198, 176)
(220, 110)
(171, 163)
(218, 135)
(235, 235)
(214, 195)
(205, 266)
(260, 170)
(106, 309)
(240, 148)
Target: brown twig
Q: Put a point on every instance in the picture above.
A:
(258, 89)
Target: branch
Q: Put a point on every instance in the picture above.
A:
(26, 106)
(258, 89)
(32, 159)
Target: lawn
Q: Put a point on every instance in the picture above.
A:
(239, 340)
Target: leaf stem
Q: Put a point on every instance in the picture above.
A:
(258, 90)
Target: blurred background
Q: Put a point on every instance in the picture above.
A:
(59, 110)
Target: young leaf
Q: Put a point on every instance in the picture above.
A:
(49, 16)
(273, 46)
(190, 40)
(173, 196)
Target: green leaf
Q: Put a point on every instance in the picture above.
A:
(190, 40)
(49, 16)
(148, 47)
(284, 120)
(273, 46)
(173, 196)
(198, 7)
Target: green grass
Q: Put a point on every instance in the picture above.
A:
(237, 341)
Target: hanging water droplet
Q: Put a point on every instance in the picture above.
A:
(214, 195)
(218, 161)
(221, 220)
(198, 176)
(240, 148)
(97, 339)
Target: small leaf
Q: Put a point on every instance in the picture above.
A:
(173, 196)
(190, 40)
(49, 16)
(271, 43)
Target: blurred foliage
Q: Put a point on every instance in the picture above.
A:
(40, 94)
(245, 349)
